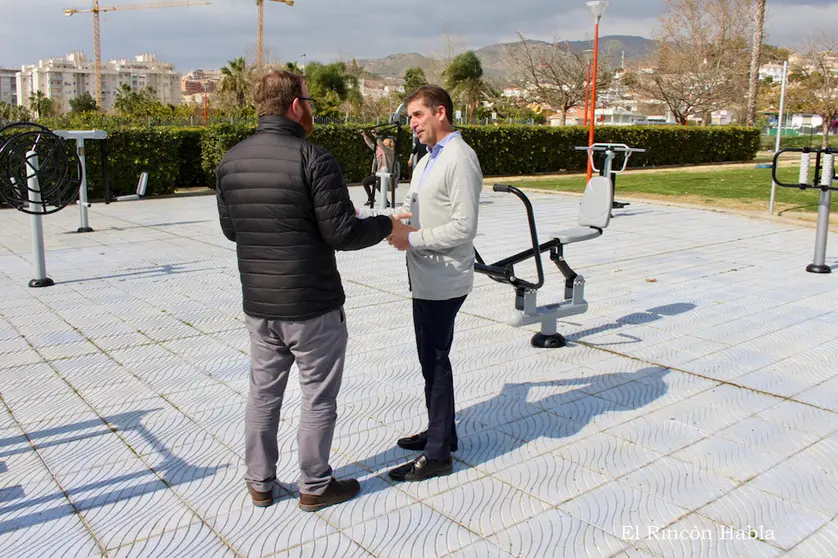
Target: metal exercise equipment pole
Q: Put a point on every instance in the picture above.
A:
(818, 264)
(35, 218)
(84, 225)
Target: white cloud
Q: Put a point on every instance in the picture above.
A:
(207, 36)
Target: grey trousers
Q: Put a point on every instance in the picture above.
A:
(319, 347)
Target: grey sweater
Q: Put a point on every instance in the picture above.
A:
(440, 262)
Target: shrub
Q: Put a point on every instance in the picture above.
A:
(188, 156)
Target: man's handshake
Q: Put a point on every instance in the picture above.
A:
(399, 237)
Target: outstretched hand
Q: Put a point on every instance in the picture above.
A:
(399, 237)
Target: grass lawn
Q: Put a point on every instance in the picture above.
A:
(735, 188)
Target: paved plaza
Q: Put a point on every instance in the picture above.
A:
(694, 413)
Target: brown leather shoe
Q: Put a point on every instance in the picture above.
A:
(338, 491)
(260, 499)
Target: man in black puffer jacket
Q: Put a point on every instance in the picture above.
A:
(285, 204)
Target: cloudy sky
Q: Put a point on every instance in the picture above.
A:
(326, 30)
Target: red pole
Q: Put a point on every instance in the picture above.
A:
(593, 98)
(587, 93)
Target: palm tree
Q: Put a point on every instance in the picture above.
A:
(753, 83)
(236, 79)
(464, 78)
(125, 100)
(332, 85)
(40, 104)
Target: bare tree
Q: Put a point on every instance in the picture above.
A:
(700, 62)
(814, 83)
(553, 75)
(753, 78)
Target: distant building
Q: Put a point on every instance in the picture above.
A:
(604, 117)
(196, 80)
(575, 117)
(773, 71)
(8, 86)
(723, 117)
(380, 88)
(63, 79)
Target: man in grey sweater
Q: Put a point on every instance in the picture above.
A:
(443, 199)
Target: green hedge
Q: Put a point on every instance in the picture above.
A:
(344, 141)
(514, 150)
(171, 156)
(177, 157)
(521, 150)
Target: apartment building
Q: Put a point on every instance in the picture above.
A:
(380, 88)
(8, 86)
(62, 79)
(771, 70)
(197, 80)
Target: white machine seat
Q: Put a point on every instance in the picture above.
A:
(594, 212)
(577, 234)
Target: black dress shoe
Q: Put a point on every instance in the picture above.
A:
(417, 442)
(422, 468)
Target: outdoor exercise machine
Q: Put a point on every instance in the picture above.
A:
(391, 129)
(607, 154)
(823, 180)
(40, 173)
(593, 217)
(79, 136)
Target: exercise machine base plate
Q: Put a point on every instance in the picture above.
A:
(814, 268)
(553, 341)
(45, 282)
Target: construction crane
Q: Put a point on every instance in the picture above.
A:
(97, 49)
(260, 27)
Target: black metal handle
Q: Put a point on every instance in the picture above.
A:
(516, 282)
(774, 165)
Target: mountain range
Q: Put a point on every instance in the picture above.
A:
(496, 59)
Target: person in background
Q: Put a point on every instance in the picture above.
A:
(385, 157)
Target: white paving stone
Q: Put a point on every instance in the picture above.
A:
(703, 400)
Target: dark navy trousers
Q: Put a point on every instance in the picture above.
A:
(433, 321)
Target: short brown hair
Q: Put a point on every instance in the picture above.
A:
(276, 91)
(433, 97)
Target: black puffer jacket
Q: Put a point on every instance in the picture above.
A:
(285, 204)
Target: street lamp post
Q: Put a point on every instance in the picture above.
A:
(597, 8)
(206, 101)
(588, 54)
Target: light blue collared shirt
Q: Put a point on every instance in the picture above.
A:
(433, 154)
